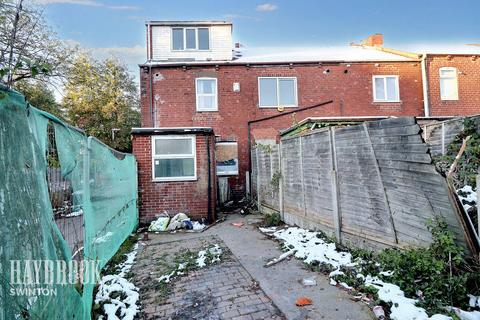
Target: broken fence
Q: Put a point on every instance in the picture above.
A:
(64, 196)
(371, 185)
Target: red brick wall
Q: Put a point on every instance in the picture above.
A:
(468, 102)
(351, 92)
(190, 197)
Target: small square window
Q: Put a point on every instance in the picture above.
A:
(274, 92)
(173, 158)
(191, 38)
(385, 89)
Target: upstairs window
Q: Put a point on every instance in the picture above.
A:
(274, 92)
(173, 158)
(207, 99)
(385, 89)
(448, 83)
(190, 39)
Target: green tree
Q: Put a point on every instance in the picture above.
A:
(28, 46)
(39, 96)
(101, 98)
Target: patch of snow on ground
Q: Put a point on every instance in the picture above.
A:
(310, 247)
(467, 196)
(204, 257)
(125, 292)
(215, 252)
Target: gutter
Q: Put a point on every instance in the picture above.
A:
(426, 107)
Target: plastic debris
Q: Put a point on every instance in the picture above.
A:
(311, 281)
(161, 223)
(379, 313)
(303, 301)
(238, 224)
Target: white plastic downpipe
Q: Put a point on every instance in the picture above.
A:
(426, 107)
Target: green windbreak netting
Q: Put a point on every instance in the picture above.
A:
(44, 274)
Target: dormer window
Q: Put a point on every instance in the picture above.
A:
(190, 38)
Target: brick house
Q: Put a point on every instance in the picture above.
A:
(193, 78)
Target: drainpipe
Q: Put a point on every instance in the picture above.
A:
(152, 119)
(426, 107)
(209, 213)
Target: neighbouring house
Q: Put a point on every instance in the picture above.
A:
(176, 172)
(195, 77)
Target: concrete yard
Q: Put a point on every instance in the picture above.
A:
(238, 287)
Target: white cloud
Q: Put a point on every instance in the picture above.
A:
(91, 3)
(267, 7)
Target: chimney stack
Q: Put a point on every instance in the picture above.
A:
(375, 40)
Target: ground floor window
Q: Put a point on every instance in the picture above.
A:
(173, 158)
(227, 158)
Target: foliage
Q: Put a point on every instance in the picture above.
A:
(468, 164)
(275, 182)
(273, 219)
(39, 96)
(267, 148)
(28, 47)
(120, 255)
(101, 98)
(438, 275)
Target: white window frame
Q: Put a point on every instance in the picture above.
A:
(185, 39)
(384, 77)
(442, 97)
(278, 92)
(175, 156)
(197, 95)
(229, 173)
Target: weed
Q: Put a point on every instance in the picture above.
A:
(273, 219)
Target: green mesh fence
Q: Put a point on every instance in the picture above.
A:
(34, 252)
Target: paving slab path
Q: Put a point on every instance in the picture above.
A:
(280, 283)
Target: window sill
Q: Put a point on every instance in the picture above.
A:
(449, 100)
(227, 174)
(175, 179)
(276, 107)
(206, 110)
(386, 101)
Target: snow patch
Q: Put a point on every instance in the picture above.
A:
(117, 294)
(310, 247)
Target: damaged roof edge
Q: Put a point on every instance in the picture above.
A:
(202, 63)
(173, 130)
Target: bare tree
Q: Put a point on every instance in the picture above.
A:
(28, 47)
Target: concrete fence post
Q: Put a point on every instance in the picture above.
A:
(280, 183)
(337, 219)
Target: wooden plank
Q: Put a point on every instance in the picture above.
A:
(392, 122)
(408, 157)
(396, 131)
(336, 213)
(375, 156)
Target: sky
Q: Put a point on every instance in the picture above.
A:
(118, 27)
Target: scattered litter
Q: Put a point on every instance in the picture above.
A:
(74, 214)
(303, 301)
(282, 257)
(238, 224)
(161, 223)
(177, 221)
(379, 313)
(311, 281)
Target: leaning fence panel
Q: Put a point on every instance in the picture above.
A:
(373, 185)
